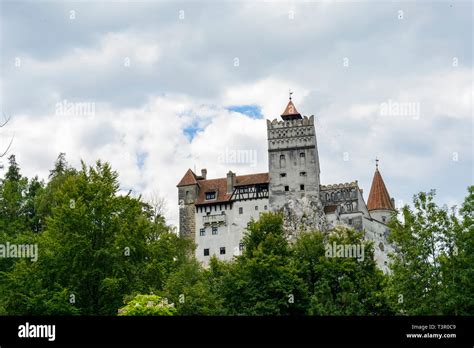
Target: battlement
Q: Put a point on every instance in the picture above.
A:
(305, 121)
(339, 186)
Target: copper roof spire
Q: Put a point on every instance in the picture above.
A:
(378, 196)
(290, 112)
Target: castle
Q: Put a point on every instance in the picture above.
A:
(215, 212)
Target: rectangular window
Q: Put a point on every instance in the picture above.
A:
(287, 188)
(241, 246)
(202, 232)
(222, 250)
(350, 221)
(282, 175)
(210, 195)
(302, 173)
(302, 158)
(302, 187)
(206, 252)
(265, 207)
(241, 210)
(256, 207)
(214, 229)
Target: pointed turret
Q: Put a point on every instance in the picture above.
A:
(290, 112)
(188, 179)
(379, 203)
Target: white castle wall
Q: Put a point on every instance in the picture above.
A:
(230, 233)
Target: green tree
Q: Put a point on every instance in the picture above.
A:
(264, 280)
(190, 289)
(433, 258)
(97, 247)
(340, 285)
(457, 262)
(144, 305)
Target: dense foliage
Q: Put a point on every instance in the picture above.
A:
(101, 252)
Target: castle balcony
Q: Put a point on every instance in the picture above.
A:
(214, 219)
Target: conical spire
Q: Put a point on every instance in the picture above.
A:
(378, 197)
(290, 112)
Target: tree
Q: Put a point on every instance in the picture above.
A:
(434, 257)
(97, 247)
(13, 188)
(457, 262)
(190, 288)
(3, 124)
(264, 280)
(142, 305)
(340, 284)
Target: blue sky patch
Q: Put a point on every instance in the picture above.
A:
(191, 131)
(141, 158)
(253, 111)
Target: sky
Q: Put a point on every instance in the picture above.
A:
(157, 87)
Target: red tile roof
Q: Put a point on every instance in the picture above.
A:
(252, 179)
(188, 179)
(220, 186)
(378, 196)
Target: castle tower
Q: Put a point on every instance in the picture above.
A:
(294, 171)
(379, 203)
(188, 190)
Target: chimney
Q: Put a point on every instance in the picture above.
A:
(204, 173)
(230, 181)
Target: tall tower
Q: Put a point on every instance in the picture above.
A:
(188, 190)
(293, 164)
(379, 203)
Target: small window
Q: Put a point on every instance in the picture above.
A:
(248, 224)
(202, 232)
(222, 250)
(256, 207)
(384, 218)
(302, 187)
(265, 207)
(282, 175)
(282, 161)
(241, 210)
(241, 246)
(210, 195)
(222, 212)
(302, 173)
(302, 159)
(214, 229)
(287, 188)
(206, 252)
(350, 221)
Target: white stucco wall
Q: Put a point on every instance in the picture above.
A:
(231, 233)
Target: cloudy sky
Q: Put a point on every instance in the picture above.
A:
(157, 87)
